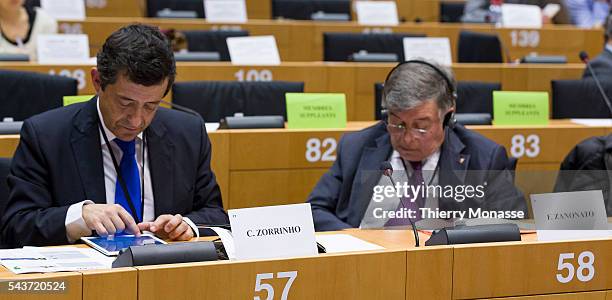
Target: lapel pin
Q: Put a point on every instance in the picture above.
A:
(461, 160)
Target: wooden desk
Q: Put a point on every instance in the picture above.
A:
(279, 166)
(303, 40)
(355, 80)
(527, 269)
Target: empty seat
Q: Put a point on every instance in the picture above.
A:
(341, 46)
(211, 41)
(451, 12)
(24, 94)
(303, 9)
(579, 99)
(215, 100)
(154, 6)
(476, 47)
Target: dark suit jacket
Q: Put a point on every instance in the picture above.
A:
(602, 66)
(588, 167)
(341, 197)
(59, 162)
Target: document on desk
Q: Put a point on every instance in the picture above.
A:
(57, 259)
(335, 243)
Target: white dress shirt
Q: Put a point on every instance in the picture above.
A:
(400, 175)
(75, 225)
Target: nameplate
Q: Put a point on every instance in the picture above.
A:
(428, 48)
(273, 231)
(521, 16)
(65, 10)
(230, 11)
(69, 100)
(376, 13)
(570, 215)
(63, 49)
(253, 50)
(316, 110)
(520, 108)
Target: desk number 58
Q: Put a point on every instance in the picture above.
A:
(259, 286)
(585, 271)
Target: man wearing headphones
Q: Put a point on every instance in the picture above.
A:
(416, 160)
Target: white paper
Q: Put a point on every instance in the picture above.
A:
(227, 239)
(211, 126)
(432, 48)
(230, 11)
(551, 10)
(335, 243)
(63, 49)
(376, 13)
(593, 122)
(570, 215)
(273, 231)
(57, 259)
(65, 10)
(521, 16)
(253, 50)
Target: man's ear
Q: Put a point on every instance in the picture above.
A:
(95, 80)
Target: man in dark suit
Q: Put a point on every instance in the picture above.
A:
(602, 64)
(417, 136)
(118, 162)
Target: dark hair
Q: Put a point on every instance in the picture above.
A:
(139, 51)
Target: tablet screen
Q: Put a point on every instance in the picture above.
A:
(120, 242)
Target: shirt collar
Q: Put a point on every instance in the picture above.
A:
(434, 157)
(609, 47)
(109, 134)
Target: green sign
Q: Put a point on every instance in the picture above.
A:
(520, 108)
(76, 99)
(312, 110)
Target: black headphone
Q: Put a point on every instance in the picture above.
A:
(449, 85)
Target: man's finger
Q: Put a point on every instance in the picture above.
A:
(117, 222)
(160, 222)
(173, 223)
(108, 224)
(129, 222)
(145, 226)
(187, 235)
(100, 230)
(178, 231)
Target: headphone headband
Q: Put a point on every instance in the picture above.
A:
(449, 84)
(448, 118)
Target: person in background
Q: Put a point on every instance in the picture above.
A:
(21, 26)
(588, 13)
(602, 64)
(480, 11)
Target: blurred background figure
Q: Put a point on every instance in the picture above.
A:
(20, 27)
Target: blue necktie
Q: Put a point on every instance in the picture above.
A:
(129, 171)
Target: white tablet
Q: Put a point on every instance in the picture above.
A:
(111, 247)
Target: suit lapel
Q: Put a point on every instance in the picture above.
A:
(160, 151)
(453, 164)
(368, 174)
(85, 140)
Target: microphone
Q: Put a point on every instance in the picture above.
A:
(584, 57)
(387, 170)
(183, 109)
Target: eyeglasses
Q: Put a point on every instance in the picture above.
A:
(401, 129)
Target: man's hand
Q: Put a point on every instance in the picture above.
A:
(169, 227)
(108, 219)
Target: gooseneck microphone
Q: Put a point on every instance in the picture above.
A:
(387, 170)
(584, 57)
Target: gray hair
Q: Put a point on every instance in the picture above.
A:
(411, 84)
